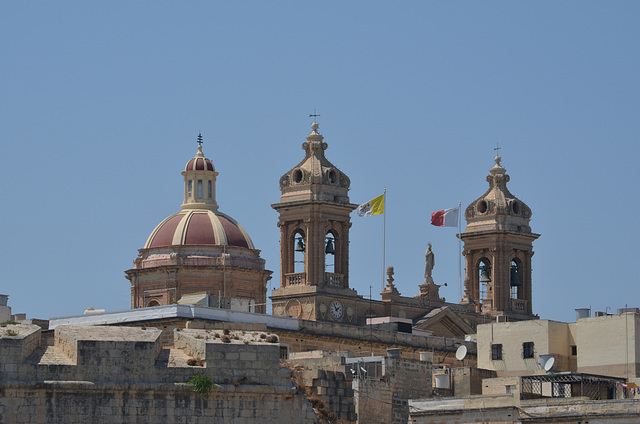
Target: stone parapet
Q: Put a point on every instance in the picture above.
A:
(123, 375)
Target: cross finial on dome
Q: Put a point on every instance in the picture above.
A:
(497, 159)
(314, 115)
(200, 139)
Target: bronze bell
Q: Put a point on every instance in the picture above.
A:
(515, 281)
(329, 249)
(484, 275)
(299, 245)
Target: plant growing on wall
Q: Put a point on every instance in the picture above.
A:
(201, 384)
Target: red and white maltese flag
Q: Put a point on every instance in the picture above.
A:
(445, 218)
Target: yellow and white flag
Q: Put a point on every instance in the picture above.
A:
(372, 207)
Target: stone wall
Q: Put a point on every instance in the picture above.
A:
(330, 393)
(383, 391)
(468, 381)
(374, 401)
(124, 375)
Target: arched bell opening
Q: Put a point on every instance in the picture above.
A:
(515, 283)
(153, 303)
(299, 248)
(483, 270)
(330, 243)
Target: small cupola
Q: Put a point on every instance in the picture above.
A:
(199, 182)
(315, 178)
(498, 209)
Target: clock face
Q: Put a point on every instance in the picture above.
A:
(336, 309)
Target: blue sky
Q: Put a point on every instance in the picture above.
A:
(101, 103)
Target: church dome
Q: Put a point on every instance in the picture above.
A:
(199, 249)
(199, 228)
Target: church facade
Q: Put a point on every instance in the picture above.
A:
(202, 250)
(314, 221)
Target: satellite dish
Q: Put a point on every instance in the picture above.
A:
(467, 339)
(461, 353)
(547, 362)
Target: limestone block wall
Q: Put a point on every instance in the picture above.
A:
(330, 392)
(123, 375)
(410, 379)
(249, 358)
(468, 381)
(373, 401)
(14, 349)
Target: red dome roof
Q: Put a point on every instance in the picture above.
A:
(199, 164)
(199, 227)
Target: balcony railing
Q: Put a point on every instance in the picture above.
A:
(334, 279)
(295, 279)
(519, 305)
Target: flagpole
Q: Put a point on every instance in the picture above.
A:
(384, 232)
(459, 250)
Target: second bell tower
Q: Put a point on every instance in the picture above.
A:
(498, 246)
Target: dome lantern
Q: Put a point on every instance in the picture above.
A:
(200, 182)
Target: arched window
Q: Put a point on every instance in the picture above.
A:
(514, 277)
(299, 249)
(484, 277)
(153, 303)
(330, 252)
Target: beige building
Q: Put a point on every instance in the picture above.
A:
(604, 345)
(198, 249)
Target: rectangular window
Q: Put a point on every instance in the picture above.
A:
(527, 350)
(190, 189)
(210, 191)
(199, 189)
(574, 350)
(284, 351)
(496, 352)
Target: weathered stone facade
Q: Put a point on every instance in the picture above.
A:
(124, 375)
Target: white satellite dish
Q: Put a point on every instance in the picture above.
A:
(467, 339)
(547, 362)
(461, 352)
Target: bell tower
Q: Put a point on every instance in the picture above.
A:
(314, 227)
(498, 246)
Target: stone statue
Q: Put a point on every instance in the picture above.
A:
(430, 262)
